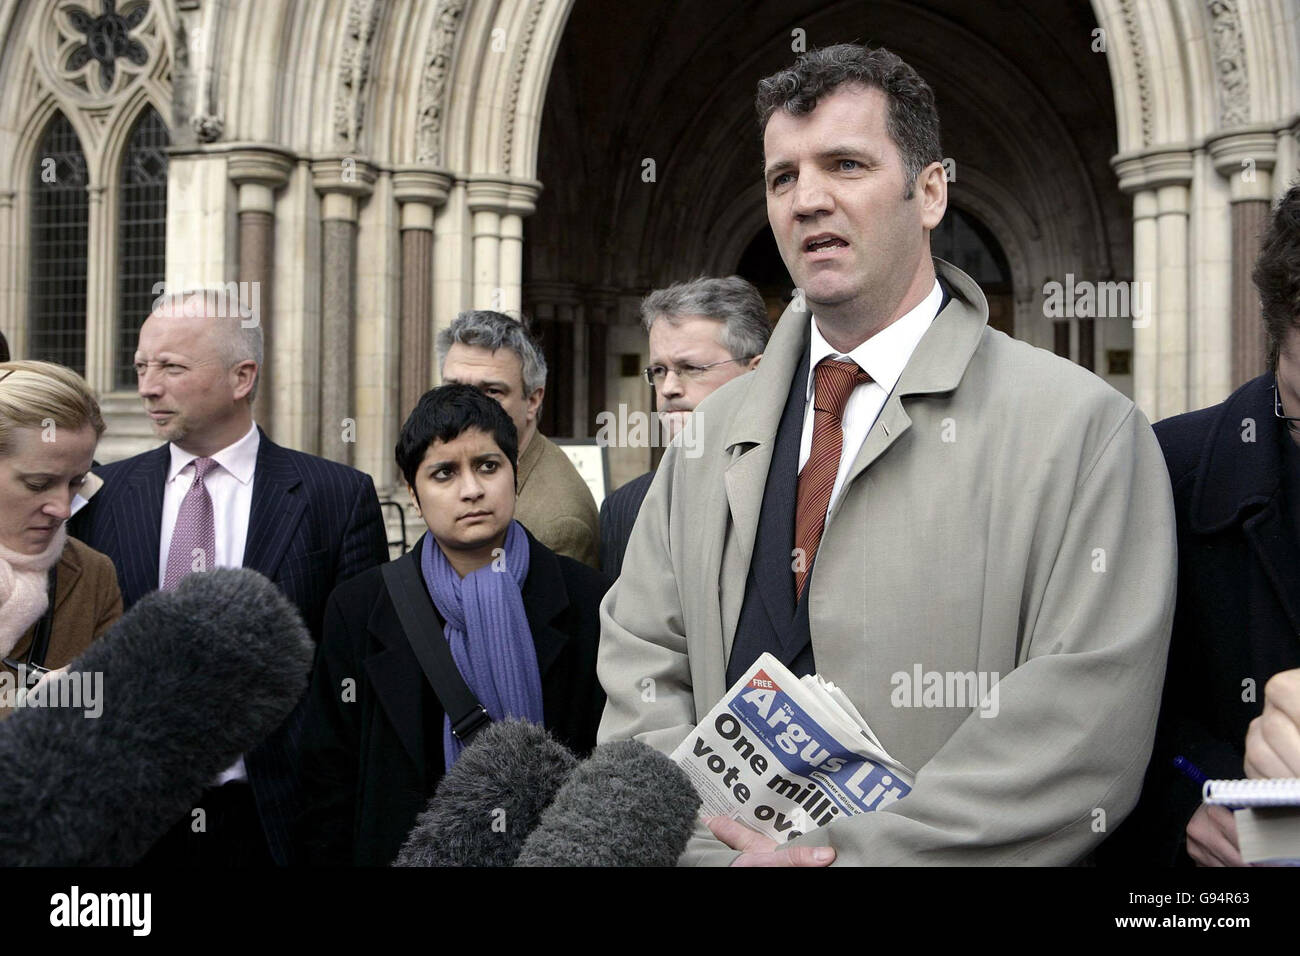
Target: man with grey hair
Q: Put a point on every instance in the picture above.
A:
(499, 356)
(220, 493)
(703, 334)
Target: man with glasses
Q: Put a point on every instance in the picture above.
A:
(1235, 469)
(702, 335)
(220, 493)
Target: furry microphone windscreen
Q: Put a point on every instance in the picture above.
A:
(183, 683)
(491, 799)
(628, 805)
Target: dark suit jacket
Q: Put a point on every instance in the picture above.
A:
(617, 516)
(314, 523)
(370, 763)
(1238, 612)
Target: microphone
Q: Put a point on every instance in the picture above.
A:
(179, 687)
(627, 805)
(485, 806)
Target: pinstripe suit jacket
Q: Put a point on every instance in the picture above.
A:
(617, 516)
(314, 523)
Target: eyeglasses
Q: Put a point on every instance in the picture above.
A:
(654, 374)
(1291, 421)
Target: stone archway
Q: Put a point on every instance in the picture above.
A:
(650, 155)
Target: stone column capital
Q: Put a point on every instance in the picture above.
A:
(502, 195)
(1153, 169)
(342, 181)
(422, 185)
(1245, 157)
(343, 174)
(262, 166)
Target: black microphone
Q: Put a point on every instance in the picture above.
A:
(179, 687)
(627, 805)
(485, 806)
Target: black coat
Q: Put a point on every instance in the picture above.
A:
(1238, 613)
(313, 524)
(370, 765)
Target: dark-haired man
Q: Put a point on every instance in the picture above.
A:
(1235, 469)
(521, 621)
(900, 495)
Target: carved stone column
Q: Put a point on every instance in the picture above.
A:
(1159, 181)
(258, 173)
(1246, 156)
(487, 198)
(342, 183)
(521, 201)
(420, 192)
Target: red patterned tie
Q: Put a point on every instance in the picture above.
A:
(194, 538)
(834, 381)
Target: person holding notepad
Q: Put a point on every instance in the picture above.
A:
(1235, 470)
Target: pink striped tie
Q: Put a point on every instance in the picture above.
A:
(833, 382)
(193, 546)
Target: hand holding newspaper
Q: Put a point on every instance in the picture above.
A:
(783, 755)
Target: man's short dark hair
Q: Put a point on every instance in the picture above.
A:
(4, 348)
(444, 414)
(912, 122)
(1277, 273)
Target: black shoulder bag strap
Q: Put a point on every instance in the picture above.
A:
(33, 667)
(41, 639)
(404, 583)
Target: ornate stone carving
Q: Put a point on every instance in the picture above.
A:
(516, 81)
(207, 127)
(433, 82)
(1229, 63)
(354, 70)
(96, 51)
(1139, 60)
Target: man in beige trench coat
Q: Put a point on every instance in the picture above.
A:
(997, 515)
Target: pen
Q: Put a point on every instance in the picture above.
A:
(1190, 771)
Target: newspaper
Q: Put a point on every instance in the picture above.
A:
(784, 755)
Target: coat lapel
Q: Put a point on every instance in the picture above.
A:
(1240, 481)
(751, 438)
(545, 597)
(137, 523)
(935, 367)
(395, 673)
(276, 509)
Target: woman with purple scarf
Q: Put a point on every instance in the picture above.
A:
(521, 622)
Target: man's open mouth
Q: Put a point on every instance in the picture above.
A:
(819, 243)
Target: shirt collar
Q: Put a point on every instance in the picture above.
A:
(885, 354)
(240, 459)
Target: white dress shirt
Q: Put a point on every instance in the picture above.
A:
(231, 488)
(883, 357)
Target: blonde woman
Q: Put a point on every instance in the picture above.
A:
(56, 594)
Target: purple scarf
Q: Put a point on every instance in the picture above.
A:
(488, 631)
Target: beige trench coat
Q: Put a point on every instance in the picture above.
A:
(1008, 514)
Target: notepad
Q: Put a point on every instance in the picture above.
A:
(1278, 792)
(1268, 818)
